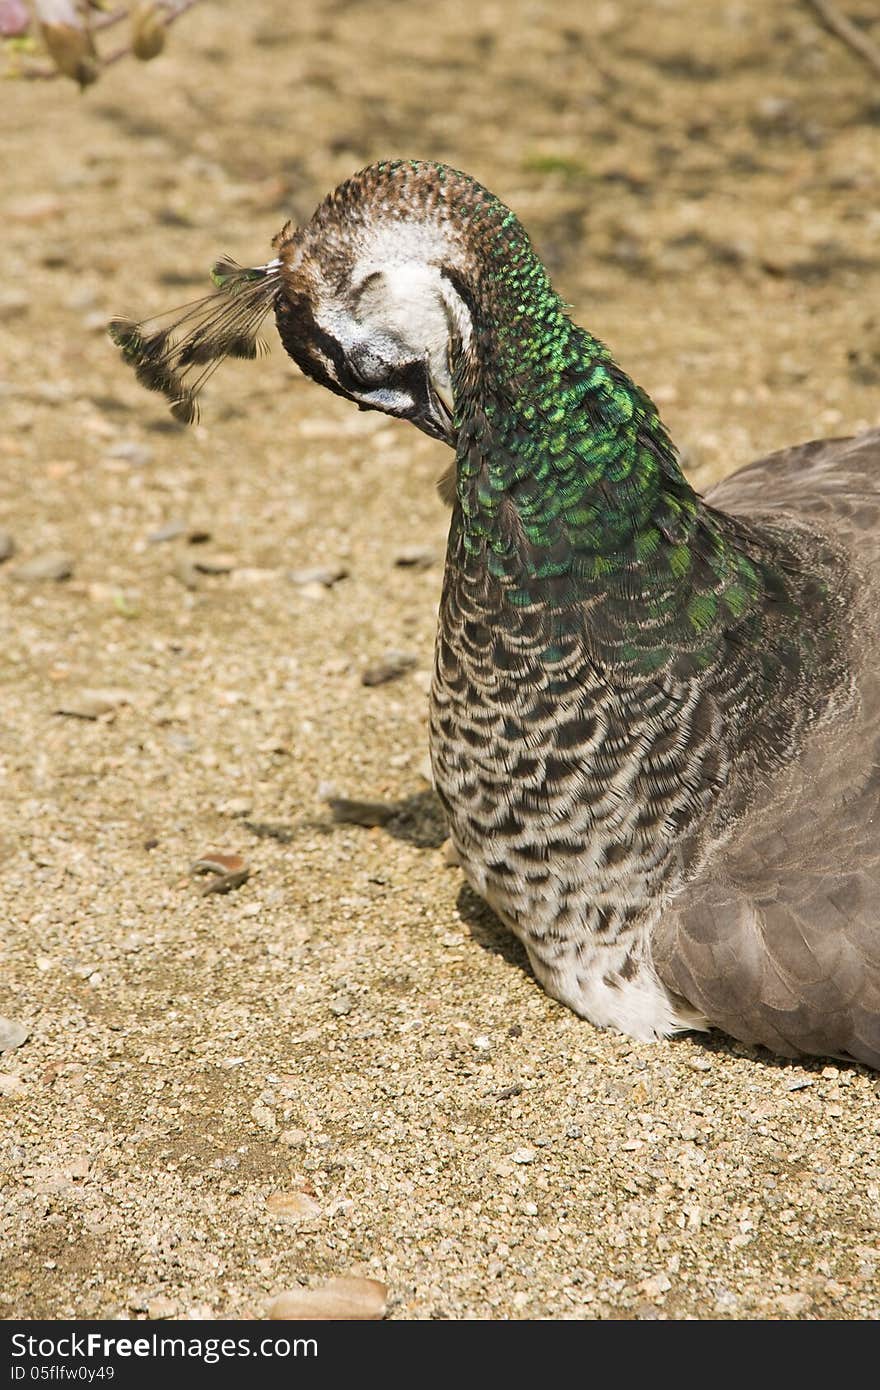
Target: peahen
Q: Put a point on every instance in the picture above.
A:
(655, 717)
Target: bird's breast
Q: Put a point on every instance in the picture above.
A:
(569, 800)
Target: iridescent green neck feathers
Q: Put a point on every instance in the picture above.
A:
(569, 488)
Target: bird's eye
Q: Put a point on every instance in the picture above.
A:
(367, 367)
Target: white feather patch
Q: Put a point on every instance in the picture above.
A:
(407, 307)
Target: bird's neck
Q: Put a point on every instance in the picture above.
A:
(570, 493)
(556, 431)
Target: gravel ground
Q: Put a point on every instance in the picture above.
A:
(342, 1065)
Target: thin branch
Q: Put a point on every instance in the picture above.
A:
(104, 21)
(169, 16)
(847, 32)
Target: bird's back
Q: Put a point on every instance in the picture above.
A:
(777, 940)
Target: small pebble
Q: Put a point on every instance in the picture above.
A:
(264, 1117)
(53, 565)
(185, 570)
(81, 297)
(250, 574)
(510, 1091)
(38, 207)
(14, 304)
(91, 704)
(179, 742)
(523, 1155)
(161, 1308)
(655, 1285)
(346, 1299)
(296, 1138)
(342, 1005)
(416, 557)
(393, 665)
(7, 546)
(313, 592)
(130, 451)
(771, 107)
(325, 577)
(794, 1303)
(215, 564)
(169, 532)
(12, 1034)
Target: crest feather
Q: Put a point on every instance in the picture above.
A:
(177, 357)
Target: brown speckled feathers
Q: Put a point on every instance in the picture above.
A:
(778, 939)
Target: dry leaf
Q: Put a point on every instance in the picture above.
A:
(298, 1205)
(228, 871)
(345, 1299)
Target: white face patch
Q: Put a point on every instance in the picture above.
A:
(399, 307)
(407, 303)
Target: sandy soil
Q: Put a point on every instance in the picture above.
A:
(350, 1025)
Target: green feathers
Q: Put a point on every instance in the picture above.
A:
(570, 490)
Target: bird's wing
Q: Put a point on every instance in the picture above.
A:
(778, 939)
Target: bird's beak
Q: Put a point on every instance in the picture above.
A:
(436, 419)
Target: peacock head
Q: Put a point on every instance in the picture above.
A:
(381, 297)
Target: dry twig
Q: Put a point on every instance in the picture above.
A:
(847, 32)
(166, 15)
